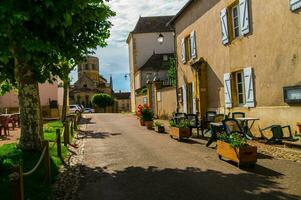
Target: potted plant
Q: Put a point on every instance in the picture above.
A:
(235, 147)
(139, 115)
(180, 130)
(159, 127)
(147, 116)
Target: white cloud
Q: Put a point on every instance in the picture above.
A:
(114, 58)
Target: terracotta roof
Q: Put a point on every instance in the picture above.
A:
(156, 62)
(153, 24)
(122, 95)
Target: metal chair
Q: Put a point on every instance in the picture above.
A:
(278, 134)
(178, 117)
(194, 122)
(232, 126)
(238, 115)
(4, 124)
(209, 117)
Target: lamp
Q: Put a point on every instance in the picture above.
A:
(161, 38)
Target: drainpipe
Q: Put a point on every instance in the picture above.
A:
(176, 57)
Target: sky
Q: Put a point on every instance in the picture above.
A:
(114, 58)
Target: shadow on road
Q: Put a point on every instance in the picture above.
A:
(95, 134)
(152, 183)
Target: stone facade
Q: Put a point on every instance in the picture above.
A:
(89, 83)
(123, 101)
(243, 69)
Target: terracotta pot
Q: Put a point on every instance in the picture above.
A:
(149, 124)
(142, 122)
(242, 155)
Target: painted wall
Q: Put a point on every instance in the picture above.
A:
(141, 48)
(272, 49)
(167, 103)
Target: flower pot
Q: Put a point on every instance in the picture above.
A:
(179, 133)
(243, 155)
(142, 122)
(149, 124)
(160, 129)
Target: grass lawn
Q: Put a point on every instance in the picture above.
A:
(34, 186)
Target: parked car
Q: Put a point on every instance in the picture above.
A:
(74, 108)
(81, 107)
(89, 110)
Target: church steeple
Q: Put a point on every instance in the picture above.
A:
(111, 81)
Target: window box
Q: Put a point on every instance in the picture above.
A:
(292, 94)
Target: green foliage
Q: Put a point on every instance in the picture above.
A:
(50, 130)
(235, 140)
(158, 124)
(102, 100)
(182, 124)
(147, 114)
(41, 34)
(172, 71)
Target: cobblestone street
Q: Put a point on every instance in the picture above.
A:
(125, 161)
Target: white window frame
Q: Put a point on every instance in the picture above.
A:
(238, 23)
(243, 88)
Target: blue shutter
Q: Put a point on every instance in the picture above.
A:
(249, 88)
(193, 45)
(184, 98)
(227, 88)
(244, 16)
(183, 51)
(224, 26)
(295, 4)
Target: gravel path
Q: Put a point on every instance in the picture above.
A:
(125, 161)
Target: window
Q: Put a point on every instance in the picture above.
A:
(188, 48)
(240, 90)
(236, 22)
(86, 67)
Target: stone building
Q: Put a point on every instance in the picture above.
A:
(89, 82)
(240, 55)
(144, 49)
(123, 101)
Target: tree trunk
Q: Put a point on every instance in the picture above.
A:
(65, 97)
(30, 109)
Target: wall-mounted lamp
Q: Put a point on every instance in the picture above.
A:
(161, 38)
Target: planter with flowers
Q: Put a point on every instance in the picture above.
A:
(147, 116)
(139, 115)
(159, 127)
(235, 148)
(180, 130)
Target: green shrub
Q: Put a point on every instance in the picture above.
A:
(235, 140)
(158, 124)
(102, 100)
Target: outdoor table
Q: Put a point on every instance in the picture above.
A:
(245, 123)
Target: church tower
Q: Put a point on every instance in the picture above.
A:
(90, 68)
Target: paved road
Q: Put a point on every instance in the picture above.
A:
(124, 161)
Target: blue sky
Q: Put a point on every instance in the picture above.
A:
(114, 57)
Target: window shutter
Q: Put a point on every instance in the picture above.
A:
(193, 45)
(224, 26)
(248, 80)
(295, 4)
(183, 51)
(193, 99)
(184, 98)
(244, 16)
(227, 87)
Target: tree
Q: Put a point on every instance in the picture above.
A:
(35, 35)
(102, 100)
(172, 71)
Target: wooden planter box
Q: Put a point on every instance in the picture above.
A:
(243, 155)
(179, 133)
(160, 129)
(149, 124)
